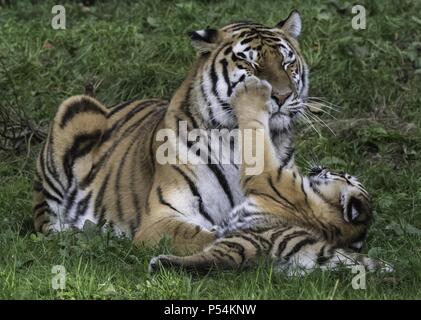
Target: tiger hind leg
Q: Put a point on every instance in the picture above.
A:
(45, 220)
(40, 210)
(66, 160)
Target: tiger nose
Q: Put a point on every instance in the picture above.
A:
(280, 98)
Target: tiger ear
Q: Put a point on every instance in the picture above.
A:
(204, 40)
(292, 24)
(354, 209)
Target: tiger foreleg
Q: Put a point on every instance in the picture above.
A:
(251, 104)
(232, 252)
(326, 257)
(347, 258)
(200, 263)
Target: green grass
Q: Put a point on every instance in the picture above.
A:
(140, 50)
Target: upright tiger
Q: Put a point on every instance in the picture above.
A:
(99, 164)
(301, 222)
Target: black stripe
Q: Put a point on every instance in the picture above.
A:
(213, 121)
(279, 194)
(323, 197)
(236, 247)
(133, 191)
(122, 121)
(214, 76)
(186, 104)
(278, 233)
(196, 193)
(321, 258)
(51, 167)
(151, 144)
(264, 244)
(40, 209)
(303, 80)
(49, 196)
(249, 39)
(228, 50)
(45, 176)
(82, 144)
(84, 105)
(324, 229)
(241, 79)
(223, 255)
(250, 26)
(81, 208)
(40, 213)
(283, 243)
(304, 192)
(222, 181)
(119, 107)
(249, 238)
(40, 205)
(247, 180)
(279, 173)
(70, 201)
(197, 229)
(224, 63)
(163, 201)
(298, 247)
(261, 194)
(121, 165)
(266, 33)
(99, 208)
(218, 174)
(289, 152)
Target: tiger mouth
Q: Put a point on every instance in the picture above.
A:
(288, 110)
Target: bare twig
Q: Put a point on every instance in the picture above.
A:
(17, 130)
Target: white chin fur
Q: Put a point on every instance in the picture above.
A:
(280, 122)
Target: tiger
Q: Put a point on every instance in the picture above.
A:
(299, 222)
(99, 164)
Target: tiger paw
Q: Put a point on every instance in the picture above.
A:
(157, 263)
(375, 264)
(251, 98)
(218, 231)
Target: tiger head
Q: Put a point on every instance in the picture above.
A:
(349, 198)
(229, 55)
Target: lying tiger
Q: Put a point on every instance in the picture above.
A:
(99, 164)
(301, 222)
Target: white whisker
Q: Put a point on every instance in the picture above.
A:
(311, 106)
(320, 121)
(305, 116)
(315, 104)
(323, 102)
